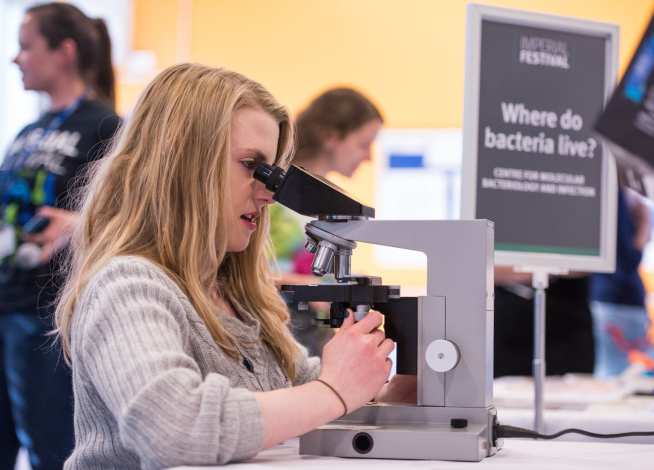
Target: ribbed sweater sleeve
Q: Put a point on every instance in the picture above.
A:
(132, 333)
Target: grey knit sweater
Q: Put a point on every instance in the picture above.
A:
(152, 389)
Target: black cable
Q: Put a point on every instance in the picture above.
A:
(502, 430)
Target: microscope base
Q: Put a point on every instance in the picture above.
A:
(409, 440)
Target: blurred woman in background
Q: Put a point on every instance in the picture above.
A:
(335, 133)
(66, 55)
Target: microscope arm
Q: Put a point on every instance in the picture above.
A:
(454, 243)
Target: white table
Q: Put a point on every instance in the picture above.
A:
(517, 454)
(607, 421)
(579, 402)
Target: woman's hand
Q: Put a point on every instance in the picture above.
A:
(400, 389)
(57, 234)
(355, 361)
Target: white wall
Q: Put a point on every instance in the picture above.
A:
(17, 108)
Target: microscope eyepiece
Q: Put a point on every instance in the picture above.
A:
(308, 194)
(270, 175)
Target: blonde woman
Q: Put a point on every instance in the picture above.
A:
(176, 335)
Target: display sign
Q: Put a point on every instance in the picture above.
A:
(532, 164)
(628, 120)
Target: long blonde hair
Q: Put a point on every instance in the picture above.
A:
(161, 193)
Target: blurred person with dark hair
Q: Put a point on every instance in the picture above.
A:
(335, 133)
(66, 55)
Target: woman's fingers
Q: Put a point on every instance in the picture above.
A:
(347, 322)
(386, 347)
(378, 336)
(370, 322)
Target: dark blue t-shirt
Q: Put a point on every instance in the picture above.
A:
(43, 167)
(624, 286)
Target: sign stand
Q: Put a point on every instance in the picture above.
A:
(540, 282)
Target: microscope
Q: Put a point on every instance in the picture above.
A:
(445, 337)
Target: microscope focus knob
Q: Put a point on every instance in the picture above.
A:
(442, 355)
